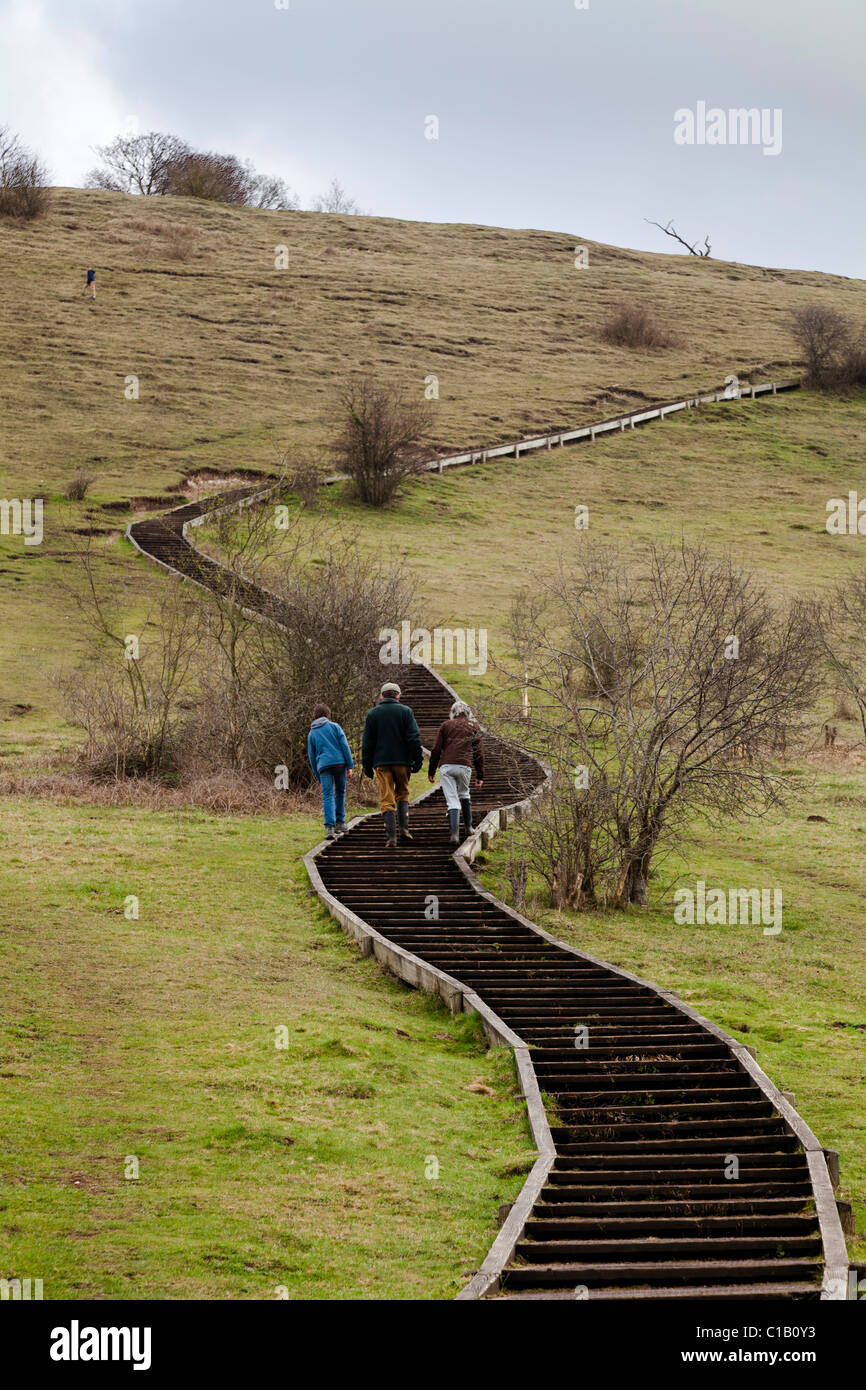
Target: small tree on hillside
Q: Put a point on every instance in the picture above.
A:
(842, 623)
(137, 163)
(832, 348)
(23, 179)
(158, 164)
(823, 335)
(336, 199)
(381, 439)
(655, 692)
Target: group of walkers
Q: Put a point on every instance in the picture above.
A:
(391, 751)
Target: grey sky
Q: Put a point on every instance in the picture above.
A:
(550, 116)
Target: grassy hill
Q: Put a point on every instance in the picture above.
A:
(235, 360)
(234, 356)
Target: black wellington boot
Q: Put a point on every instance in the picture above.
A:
(466, 804)
(403, 819)
(390, 819)
(454, 824)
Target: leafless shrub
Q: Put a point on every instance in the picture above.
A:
(221, 792)
(635, 325)
(78, 487)
(265, 191)
(328, 648)
(844, 707)
(336, 199)
(517, 876)
(305, 472)
(833, 349)
(841, 621)
(381, 439)
(180, 243)
(642, 704)
(220, 683)
(128, 695)
(219, 178)
(24, 193)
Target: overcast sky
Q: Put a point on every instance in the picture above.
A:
(550, 115)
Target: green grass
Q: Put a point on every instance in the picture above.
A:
(799, 997)
(155, 1039)
(749, 478)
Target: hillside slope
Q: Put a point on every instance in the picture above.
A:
(235, 357)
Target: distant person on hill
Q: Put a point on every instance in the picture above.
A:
(90, 282)
(391, 748)
(332, 762)
(456, 751)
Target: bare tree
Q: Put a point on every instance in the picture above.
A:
(381, 438)
(841, 621)
(645, 684)
(266, 191)
(671, 231)
(23, 179)
(327, 647)
(227, 676)
(137, 163)
(336, 199)
(128, 693)
(158, 164)
(832, 350)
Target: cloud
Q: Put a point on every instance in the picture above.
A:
(55, 91)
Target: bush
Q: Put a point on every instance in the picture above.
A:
(211, 688)
(24, 194)
(833, 350)
(381, 439)
(78, 487)
(634, 325)
(158, 164)
(336, 199)
(305, 474)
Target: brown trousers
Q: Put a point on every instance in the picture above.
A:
(393, 784)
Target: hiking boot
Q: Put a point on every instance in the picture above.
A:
(466, 804)
(330, 832)
(340, 827)
(454, 825)
(390, 819)
(403, 818)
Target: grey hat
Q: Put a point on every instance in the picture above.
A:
(390, 688)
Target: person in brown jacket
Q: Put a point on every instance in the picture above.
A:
(456, 751)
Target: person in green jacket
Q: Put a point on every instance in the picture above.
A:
(391, 750)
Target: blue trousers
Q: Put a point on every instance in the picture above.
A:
(333, 781)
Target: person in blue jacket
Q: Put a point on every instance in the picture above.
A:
(331, 760)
